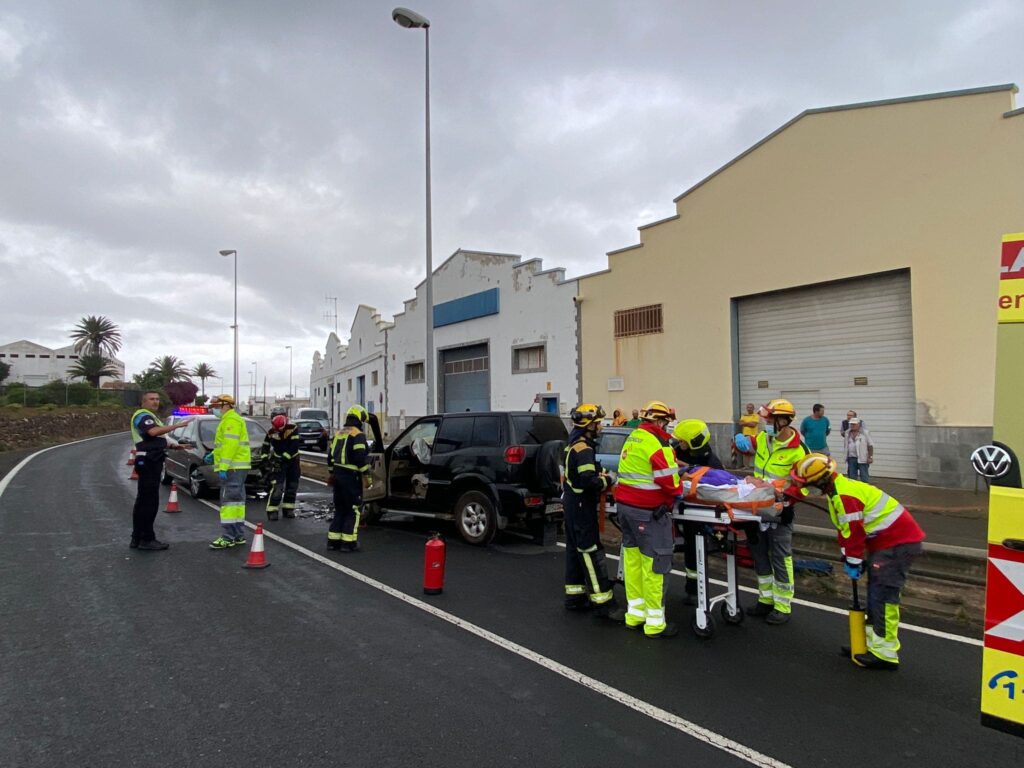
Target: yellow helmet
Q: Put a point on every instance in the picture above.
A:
(657, 410)
(359, 412)
(778, 407)
(585, 414)
(223, 400)
(693, 432)
(813, 468)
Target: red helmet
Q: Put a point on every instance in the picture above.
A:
(279, 422)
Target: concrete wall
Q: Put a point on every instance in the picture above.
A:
(925, 184)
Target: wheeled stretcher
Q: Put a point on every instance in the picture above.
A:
(721, 520)
(717, 521)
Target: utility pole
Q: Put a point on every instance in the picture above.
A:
(332, 315)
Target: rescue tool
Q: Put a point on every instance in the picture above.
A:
(858, 639)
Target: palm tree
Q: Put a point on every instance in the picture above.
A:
(169, 368)
(204, 372)
(92, 368)
(96, 335)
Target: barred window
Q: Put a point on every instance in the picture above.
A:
(638, 321)
(414, 373)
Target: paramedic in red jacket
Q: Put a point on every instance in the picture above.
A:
(647, 490)
(876, 534)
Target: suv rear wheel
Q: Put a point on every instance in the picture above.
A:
(475, 517)
(197, 486)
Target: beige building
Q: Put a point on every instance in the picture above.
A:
(849, 258)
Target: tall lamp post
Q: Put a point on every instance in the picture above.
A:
(255, 384)
(235, 326)
(412, 20)
(289, 348)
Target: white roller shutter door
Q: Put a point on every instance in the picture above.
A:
(810, 344)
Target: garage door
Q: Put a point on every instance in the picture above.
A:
(466, 379)
(846, 345)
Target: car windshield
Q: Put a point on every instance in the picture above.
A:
(311, 414)
(538, 429)
(611, 443)
(308, 426)
(208, 430)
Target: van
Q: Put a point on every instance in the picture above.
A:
(319, 414)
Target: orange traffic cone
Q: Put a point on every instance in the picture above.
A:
(131, 459)
(172, 500)
(257, 557)
(135, 473)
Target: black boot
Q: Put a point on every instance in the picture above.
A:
(610, 613)
(760, 609)
(272, 515)
(333, 545)
(870, 661)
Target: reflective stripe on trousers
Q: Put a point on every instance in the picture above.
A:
(645, 591)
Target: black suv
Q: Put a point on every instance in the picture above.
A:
(485, 471)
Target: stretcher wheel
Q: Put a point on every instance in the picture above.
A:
(707, 631)
(728, 618)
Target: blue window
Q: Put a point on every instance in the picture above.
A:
(466, 308)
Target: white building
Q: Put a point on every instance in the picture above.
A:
(353, 373)
(505, 338)
(35, 365)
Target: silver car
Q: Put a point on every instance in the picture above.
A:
(187, 466)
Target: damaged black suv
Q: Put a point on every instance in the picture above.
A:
(484, 471)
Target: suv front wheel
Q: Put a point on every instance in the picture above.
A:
(475, 517)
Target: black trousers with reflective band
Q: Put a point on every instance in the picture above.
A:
(581, 534)
(284, 484)
(348, 498)
(147, 498)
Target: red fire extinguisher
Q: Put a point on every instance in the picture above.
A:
(433, 565)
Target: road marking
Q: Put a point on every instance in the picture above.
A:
(817, 606)
(10, 475)
(663, 716)
(839, 611)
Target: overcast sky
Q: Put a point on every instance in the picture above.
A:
(137, 138)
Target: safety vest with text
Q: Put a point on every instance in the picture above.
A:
(648, 472)
(231, 443)
(869, 519)
(773, 459)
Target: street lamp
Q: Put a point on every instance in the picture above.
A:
(235, 326)
(255, 375)
(412, 20)
(289, 348)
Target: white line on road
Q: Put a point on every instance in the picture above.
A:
(10, 475)
(840, 611)
(670, 719)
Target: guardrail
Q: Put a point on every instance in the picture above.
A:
(314, 458)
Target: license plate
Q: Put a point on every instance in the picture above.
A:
(553, 509)
(312, 442)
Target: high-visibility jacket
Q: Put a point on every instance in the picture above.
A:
(349, 451)
(138, 437)
(869, 519)
(773, 458)
(648, 472)
(231, 443)
(582, 472)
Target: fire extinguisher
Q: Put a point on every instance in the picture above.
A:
(433, 565)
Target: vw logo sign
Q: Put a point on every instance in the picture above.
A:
(991, 461)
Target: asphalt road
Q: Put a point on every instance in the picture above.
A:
(114, 657)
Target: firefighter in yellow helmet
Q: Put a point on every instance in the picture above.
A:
(586, 578)
(877, 535)
(777, 448)
(648, 485)
(348, 460)
(692, 444)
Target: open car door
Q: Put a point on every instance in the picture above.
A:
(378, 488)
